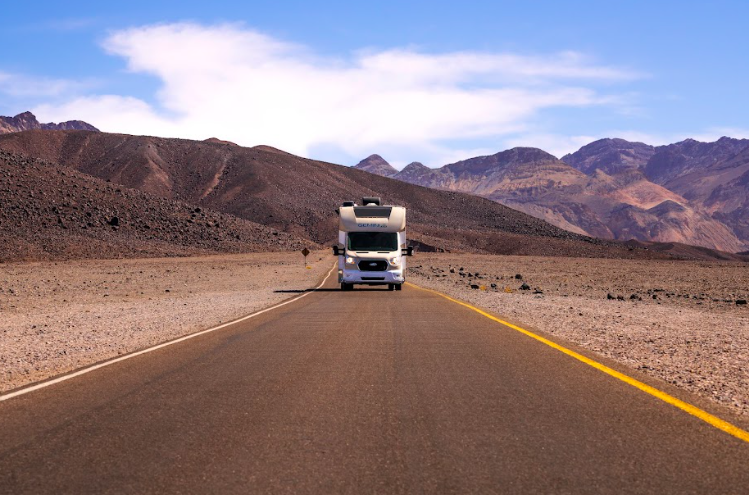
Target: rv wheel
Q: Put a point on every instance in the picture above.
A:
(345, 286)
(391, 286)
(399, 287)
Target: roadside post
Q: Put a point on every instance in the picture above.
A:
(305, 253)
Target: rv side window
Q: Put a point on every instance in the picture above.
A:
(372, 241)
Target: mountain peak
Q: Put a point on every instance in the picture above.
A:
(27, 121)
(375, 164)
(525, 153)
(611, 155)
(415, 166)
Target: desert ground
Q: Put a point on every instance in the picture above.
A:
(60, 316)
(680, 321)
(683, 322)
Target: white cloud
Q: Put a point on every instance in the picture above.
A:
(17, 85)
(238, 84)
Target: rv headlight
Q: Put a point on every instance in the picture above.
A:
(394, 260)
(350, 260)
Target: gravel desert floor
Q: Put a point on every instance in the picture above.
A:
(60, 316)
(684, 322)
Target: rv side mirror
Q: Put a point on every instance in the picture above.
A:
(409, 251)
(337, 251)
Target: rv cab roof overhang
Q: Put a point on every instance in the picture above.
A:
(372, 218)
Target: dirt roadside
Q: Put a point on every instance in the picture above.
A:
(59, 316)
(684, 322)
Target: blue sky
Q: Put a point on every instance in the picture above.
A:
(413, 81)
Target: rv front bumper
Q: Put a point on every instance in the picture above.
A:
(371, 278)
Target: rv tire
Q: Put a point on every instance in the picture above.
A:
(398, 286)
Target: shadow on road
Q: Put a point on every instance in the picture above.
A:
(299, 291)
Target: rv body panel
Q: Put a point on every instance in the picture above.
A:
(372, 239)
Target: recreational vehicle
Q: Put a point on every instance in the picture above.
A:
(371, 246)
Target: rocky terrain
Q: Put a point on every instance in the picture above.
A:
(689, 192)
(375, 164)
(610, 156)
(297, 196)
(27, 121)
(60, 316)
(683, 322)
(53, 212)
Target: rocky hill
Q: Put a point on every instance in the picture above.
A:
(53, 212)
(27, 121)
(622, 205)
(298, 196)
(375, 164)
(690, 158)
(711, 177)
(610, 155)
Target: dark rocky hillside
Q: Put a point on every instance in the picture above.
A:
(53, 212)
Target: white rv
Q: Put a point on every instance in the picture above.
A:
(371, 246)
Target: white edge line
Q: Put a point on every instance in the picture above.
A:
(94, 367)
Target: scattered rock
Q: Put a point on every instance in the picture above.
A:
(525, 287)
(474, 286)
(518, 277)
(740, 302)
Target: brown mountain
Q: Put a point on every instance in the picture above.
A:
(417, 173)
(27, 121)
(53, 212)
(714, 175)
(375, 164)
(679, 160)
(709, 176)
(610, 155)
(624, 205)
(297, 195)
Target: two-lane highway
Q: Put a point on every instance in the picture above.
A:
(359, 392)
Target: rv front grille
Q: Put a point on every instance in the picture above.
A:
(373, 265)
(373, 278)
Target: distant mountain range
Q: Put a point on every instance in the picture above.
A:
(190, 190)
(27, 121)
(689, 192)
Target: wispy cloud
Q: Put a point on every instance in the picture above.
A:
(67, 24)
(248, 87)
(20, 85)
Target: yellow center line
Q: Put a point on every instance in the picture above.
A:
(684, 406)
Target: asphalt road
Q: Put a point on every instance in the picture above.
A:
(367, 391)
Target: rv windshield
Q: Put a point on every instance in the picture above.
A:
(372, 241)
